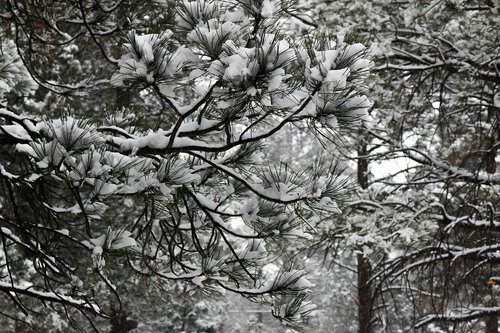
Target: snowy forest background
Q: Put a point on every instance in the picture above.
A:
(249, 166)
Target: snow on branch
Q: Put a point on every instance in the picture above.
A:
(56, 297)
(193, 197)
(460, 315)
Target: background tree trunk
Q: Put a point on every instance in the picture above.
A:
(365, 293)
(491, 325)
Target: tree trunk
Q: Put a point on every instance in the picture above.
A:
(362, 163)
(491, 325)
(365, 295)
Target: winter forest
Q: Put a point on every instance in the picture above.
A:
(249, 166)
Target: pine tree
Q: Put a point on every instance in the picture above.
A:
(189, 196)
(435, 114)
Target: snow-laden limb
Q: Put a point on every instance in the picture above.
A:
(50, 296)
(193, 198)
(74, 154)
(448, 170)
(460, 315)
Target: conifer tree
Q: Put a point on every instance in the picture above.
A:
(426, 213)
(188, 197)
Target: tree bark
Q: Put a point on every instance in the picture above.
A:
(365, 295)
(491, 325)
(365, 292)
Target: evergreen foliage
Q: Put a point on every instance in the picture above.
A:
(90, 202)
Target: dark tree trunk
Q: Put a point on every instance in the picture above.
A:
(121, 324)
(365, 296)
(362, 163)
(491, 325)
(365, 292)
